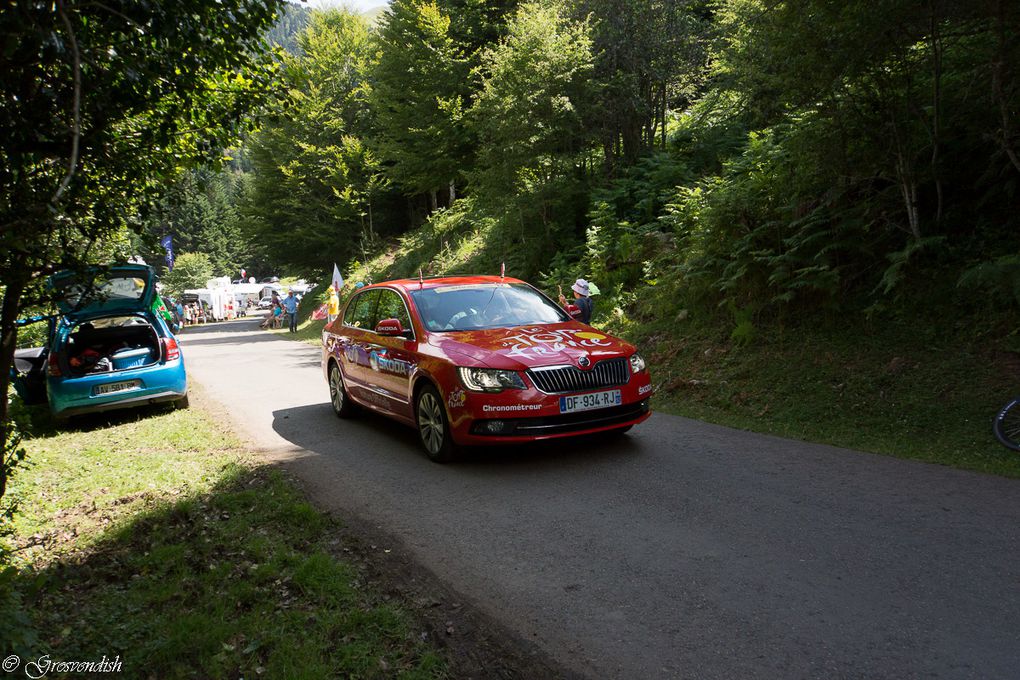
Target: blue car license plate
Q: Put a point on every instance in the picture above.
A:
(590, 402)
(110, 388)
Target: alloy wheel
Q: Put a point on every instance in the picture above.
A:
(430, 423)
(336, 389)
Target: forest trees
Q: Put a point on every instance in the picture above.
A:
(873, 136)
(651, 59)
(528, 114)
(102, 102)
(200, 211)
(191, 270)
(764, 154)
(316, 185)
(421, 87)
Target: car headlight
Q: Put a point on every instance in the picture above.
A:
(637, 364)
(490, 379)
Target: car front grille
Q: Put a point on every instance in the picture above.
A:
(559, 379)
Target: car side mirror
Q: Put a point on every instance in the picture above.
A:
(390, 328)
(574, 311)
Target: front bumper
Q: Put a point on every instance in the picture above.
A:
(565, 424)
(514, 416)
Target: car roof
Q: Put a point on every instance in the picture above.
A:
(410, 285)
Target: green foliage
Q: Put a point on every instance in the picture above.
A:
(17, 632)
(94, 119)
(317, 187)
(999, 279)
(292, 20)
(650, 59)
(420, 91)
(200, 211)
(12, 454)
(191, 270)
(899, 260)
(537, 81)
(101, 104)
(625, 230)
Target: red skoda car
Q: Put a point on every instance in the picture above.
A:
(479, 360)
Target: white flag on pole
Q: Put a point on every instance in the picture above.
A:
(338, 281)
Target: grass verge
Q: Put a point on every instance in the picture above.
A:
(153, 536)
(309, 331)
(896, 388)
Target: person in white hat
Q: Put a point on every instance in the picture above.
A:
(582, 300)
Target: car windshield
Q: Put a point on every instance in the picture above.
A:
(477, 306)
(116, 322)
(102, 289)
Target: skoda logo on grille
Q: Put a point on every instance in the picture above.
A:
(584, 362)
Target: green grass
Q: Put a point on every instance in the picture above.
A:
(896, 388)
(155, 536)
(309, 330)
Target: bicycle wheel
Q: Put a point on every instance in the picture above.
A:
(1007, 425)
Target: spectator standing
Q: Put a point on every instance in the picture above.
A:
(332, 305)
(582, 300)
(290, 305)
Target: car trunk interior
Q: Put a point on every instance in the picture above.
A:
(111, 344)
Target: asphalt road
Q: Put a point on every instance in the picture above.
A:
(681, 550)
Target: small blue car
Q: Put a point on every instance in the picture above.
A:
(109, 350)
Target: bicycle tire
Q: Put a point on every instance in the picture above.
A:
(1007, 425)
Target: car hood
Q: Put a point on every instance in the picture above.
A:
(104, 290)
(526, 347)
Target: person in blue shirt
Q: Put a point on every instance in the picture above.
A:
(290, 304)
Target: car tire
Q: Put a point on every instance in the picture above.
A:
(182, 403)
(433, 426)
(341, 402)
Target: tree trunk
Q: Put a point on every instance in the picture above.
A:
(632, 142)
(433, 200)
(662, 113)
(453, 192)
(908, 187)
(999, 87)
(8, 343)
(608, 157)
(936, 106)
